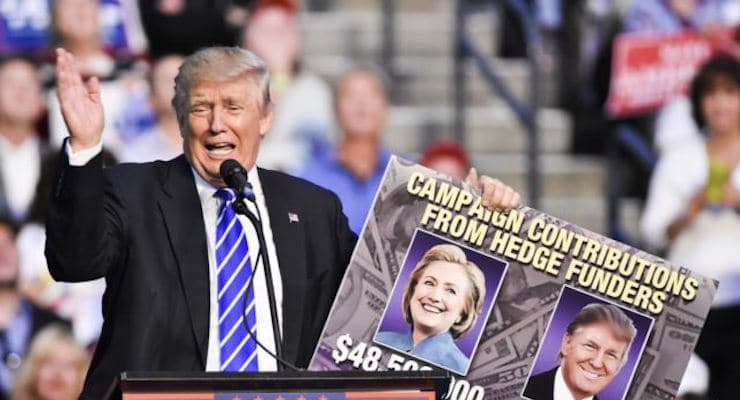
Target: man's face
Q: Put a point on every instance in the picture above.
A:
(21, 99)
(77, 20)
(224, 120)
(274, 35)
(361, 105)
(60, 375)
(163, 83)
(591, 357)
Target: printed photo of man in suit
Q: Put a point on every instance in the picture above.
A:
(184, 291)
(593, 351)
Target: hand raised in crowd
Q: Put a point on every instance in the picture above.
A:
(80, 103)
(494, 193)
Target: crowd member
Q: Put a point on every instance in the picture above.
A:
(695, 380)
(354, 168)
(183, 26)
(303, 116)
(668, 16)
(163, 140)
(22, 158)
(447, 157)
(20, 319)
(76, 26)
(589, 30)
(673, 123)
(54, 368)
(25, 27)
(691, 209)
(153, 230)
(77, 302)
(21, 149)
(121, 28)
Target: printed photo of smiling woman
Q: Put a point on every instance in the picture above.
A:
(441, 302)
(593, 351)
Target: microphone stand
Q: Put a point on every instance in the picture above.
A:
(241, 208)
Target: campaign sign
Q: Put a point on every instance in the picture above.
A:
(437, 281)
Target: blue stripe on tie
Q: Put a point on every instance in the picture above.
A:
(233, 269)
(237, 349)
(238, 354)
(227, 250)
(223, 286)
(228, 229)
(228, 320)
(235, 306)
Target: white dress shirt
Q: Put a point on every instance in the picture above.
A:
(561, 391)
(210, 205)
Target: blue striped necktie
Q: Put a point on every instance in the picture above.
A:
(237, 348)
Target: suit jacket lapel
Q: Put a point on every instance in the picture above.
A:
(290, 246)
(181, 209)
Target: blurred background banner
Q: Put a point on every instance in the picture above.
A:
(648, 70)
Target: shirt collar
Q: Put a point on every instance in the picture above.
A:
(206, 190)
(561, 391)
(30, 143)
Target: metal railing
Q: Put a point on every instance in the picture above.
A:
(624, 137)
(388, 44)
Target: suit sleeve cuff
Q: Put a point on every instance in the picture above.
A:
(80, 158)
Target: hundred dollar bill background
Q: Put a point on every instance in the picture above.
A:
(522, 310)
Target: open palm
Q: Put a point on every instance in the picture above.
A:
(80, 102)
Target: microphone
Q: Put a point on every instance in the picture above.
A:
(235, 177)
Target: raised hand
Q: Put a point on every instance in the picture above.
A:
(494, 193)
(80, 103)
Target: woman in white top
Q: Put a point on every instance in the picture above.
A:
(693, 210)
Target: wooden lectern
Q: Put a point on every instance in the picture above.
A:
(300, 385)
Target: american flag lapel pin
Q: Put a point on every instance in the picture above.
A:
(293, 218)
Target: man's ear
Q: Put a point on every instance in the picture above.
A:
(184, 124)
(625, 356)
(565, 345)
(266, 122)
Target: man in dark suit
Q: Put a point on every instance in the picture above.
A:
(593, 351)
(154, 232)
(540, 386)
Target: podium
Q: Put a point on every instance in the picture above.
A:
(300, 385)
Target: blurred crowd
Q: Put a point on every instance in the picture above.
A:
(332, 134)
